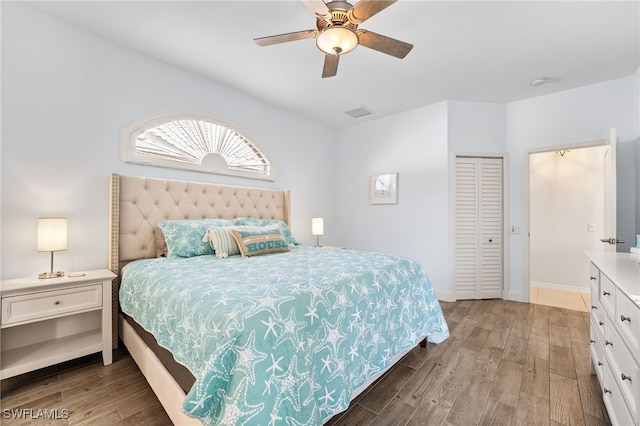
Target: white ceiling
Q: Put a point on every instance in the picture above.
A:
(468, 51)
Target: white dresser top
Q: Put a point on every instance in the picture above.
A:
(621, 268)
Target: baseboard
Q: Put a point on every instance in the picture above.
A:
(518, 296)
(560, 287)
(445, 296)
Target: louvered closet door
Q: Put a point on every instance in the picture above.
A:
(478, 228)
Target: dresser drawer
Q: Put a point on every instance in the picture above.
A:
(594, 280)
(623, 366)
(32, 306)
(613, 400)
(627, 320)
(607, 295)
(597, 353)
(598, 316)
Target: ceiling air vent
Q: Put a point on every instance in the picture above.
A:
(358, 112)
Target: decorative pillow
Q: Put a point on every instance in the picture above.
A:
(161, 244)
(262, 241)
(286, 232)
(184, 237)
(223, 242)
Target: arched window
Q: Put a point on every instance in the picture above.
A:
(193, 141)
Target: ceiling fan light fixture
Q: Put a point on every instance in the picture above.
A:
(337, 40)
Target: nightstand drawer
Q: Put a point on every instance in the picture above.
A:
(28, 307)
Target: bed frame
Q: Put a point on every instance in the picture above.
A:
(137, 205)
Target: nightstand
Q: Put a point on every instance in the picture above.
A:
(47, 321)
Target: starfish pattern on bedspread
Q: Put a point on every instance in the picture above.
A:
(282, 338)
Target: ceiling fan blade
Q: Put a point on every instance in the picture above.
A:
(365, 9)
(319, 8)
(283, 38)
(330, 65)
(384, 44)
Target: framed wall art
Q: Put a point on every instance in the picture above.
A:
(383, 189)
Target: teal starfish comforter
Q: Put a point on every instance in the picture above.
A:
(282, 338)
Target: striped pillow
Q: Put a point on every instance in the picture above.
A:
(261, 241)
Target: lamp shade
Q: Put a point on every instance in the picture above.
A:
(52, 234)
(317, 226)
(337, 40)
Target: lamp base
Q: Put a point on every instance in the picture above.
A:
(46, 275)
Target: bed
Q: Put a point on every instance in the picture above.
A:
(288, 334)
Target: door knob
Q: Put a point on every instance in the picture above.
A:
(612, 241)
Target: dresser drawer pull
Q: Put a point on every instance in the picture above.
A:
(57, 302)
(607, 390)
(606, 293)
(600, 363)
(623, 318)
(592, 278)
(594, 307)
(606, 342)
(600, 323)
(593, 341)
(625, 377)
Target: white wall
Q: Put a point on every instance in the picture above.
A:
(570, 117)
(567, 194)
(66, 93)
(477, 127)
(414, 144)
(419, 145)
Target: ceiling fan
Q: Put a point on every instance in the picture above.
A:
(337, 31)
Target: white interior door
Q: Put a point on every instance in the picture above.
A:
(479, 228)
(610, 239)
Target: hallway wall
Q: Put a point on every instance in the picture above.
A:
(566, 215)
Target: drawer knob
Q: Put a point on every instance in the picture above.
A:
(57, 302)
(606, 342)
(606, 293)
(607, 390)
(600, 364)
(592, 278)
(600, 322)
(625, 377)
(623, 318)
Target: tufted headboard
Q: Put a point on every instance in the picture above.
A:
(138, 204)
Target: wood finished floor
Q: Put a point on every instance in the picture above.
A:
(506, 363)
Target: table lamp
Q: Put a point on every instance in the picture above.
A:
(317, 228)
(52, 236)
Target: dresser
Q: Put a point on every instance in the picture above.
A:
(615, 332)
